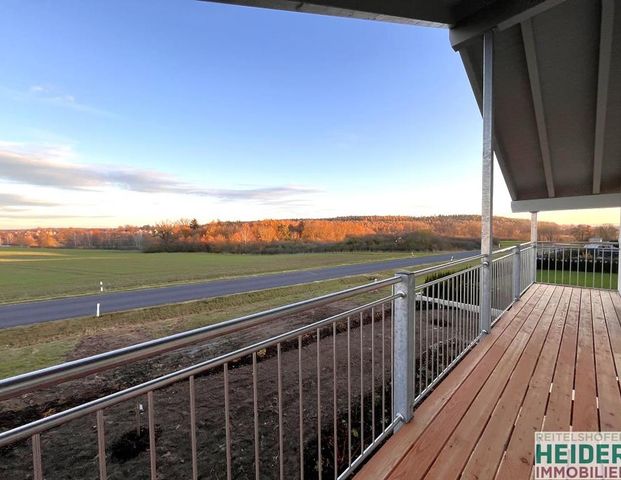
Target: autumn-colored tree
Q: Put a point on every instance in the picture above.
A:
(582, 232)
(608, 232)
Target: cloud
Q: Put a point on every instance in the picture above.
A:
(11, 200)
(49, 167)
(22, 216)
(53, 96)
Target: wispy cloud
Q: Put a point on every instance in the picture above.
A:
(10, 201)
(50, 167)
(34, 216)
(53, 96)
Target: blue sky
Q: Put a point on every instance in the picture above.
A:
(115, 112)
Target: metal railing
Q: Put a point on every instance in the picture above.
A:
(447, 313)
(312, 400)
(447, 322)
(586, 264)
(528, 267)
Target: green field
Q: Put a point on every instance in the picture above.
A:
(42, 273)
(582, 279)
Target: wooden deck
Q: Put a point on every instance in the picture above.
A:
(551, 363)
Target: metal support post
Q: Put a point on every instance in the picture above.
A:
(487, 194)
(533, 241)
(403, 346)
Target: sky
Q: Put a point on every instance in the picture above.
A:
(117, 112)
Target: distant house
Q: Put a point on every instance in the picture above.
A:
(596, 243)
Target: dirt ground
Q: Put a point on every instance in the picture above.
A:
(70, 451)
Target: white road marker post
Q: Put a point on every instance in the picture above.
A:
(101, 286)
(97, 310)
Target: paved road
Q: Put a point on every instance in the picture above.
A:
(81, 306)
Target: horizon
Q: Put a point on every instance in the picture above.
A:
(258, 220)
(200, 110)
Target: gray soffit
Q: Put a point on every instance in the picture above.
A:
(557, 85)
(557, 92)
(603, 200)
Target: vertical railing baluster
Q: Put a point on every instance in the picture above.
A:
(372, 374)
(334, 405)
(361, 386)
(425, 292)
(586, 265)
(227, 423)
(349, 426)
(255, 415)
(193, 445)
(471, 325)
(101, 445)
(549, 255)
(610, 285)
(421, 352)
(151, 421)
(301, 408)
(281, 453)
(434, 332)
(593, 257)
(37, 463)
(319, 458)
(393, 412)
(383, 367)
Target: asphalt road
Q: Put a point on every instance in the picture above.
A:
(15, 314)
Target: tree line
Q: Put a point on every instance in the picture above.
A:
(384, 233)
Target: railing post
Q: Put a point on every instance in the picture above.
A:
(533, 241)
(487, 193)
(517, 273)
(619, 257)
(403, 346)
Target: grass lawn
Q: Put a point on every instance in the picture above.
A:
(582, 279)
(42, 273)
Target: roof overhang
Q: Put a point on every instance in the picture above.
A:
(436, 13)
(557, 101)
(606, 200)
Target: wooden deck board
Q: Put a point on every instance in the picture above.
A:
(490, 447)
(607, 383)
(613, 324)
(558, 412)
(585, 416)
(516, 462)
(480, 421)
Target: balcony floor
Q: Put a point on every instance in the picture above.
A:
(551, 363)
